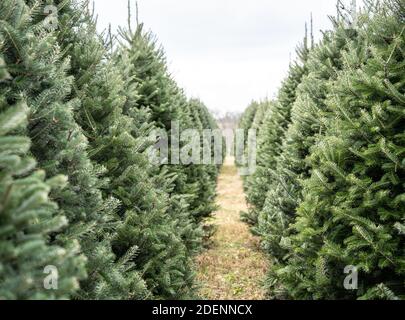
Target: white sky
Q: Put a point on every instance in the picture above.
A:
(225, 52)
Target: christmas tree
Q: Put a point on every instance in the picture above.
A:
(352, 211)
(307, 115)
(28, 218)
(146, 233)
(270, 136)
(247, 118)
(334, 205)
(132, 227)
(168, 106)
(98, 86)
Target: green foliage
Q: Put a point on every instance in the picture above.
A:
(98, 86)
(27, 215)
(168, 105)
(247, 118)
(307, 122)
(132, 228)
(190, 189)
(336, 188)
(262, 109)
(203, 176)
(270, 135)
(36, 72)
(358, 160)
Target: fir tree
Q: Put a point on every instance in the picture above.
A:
(167, 104)
(307, 113)
(90, 113)
(145, 233)
(204, 175)
(356, 188)
(263, 108)
(247, 119)
(169, 262)
(27, 216)
(38, 72)
(98, 86)
(351, 211)
(189, 187)
(271, 134)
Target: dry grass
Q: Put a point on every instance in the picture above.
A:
(234, 267)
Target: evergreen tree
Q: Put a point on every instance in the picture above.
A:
(271, 134)
(160, 94)
(203, 175)
(307, 113)
(247, 119)
(133, 227)
(263, 108)
(146, 231)
(98, 86)
(27, 216)
(353, 211)
(38, 73)
(144, 69)
(191, 193)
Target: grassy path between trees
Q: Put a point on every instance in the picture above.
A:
(233, 267)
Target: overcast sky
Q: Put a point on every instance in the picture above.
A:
(225, 52)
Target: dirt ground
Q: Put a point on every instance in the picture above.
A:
(234, 267)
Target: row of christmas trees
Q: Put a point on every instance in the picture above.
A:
(328, 196)
(78, 192)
